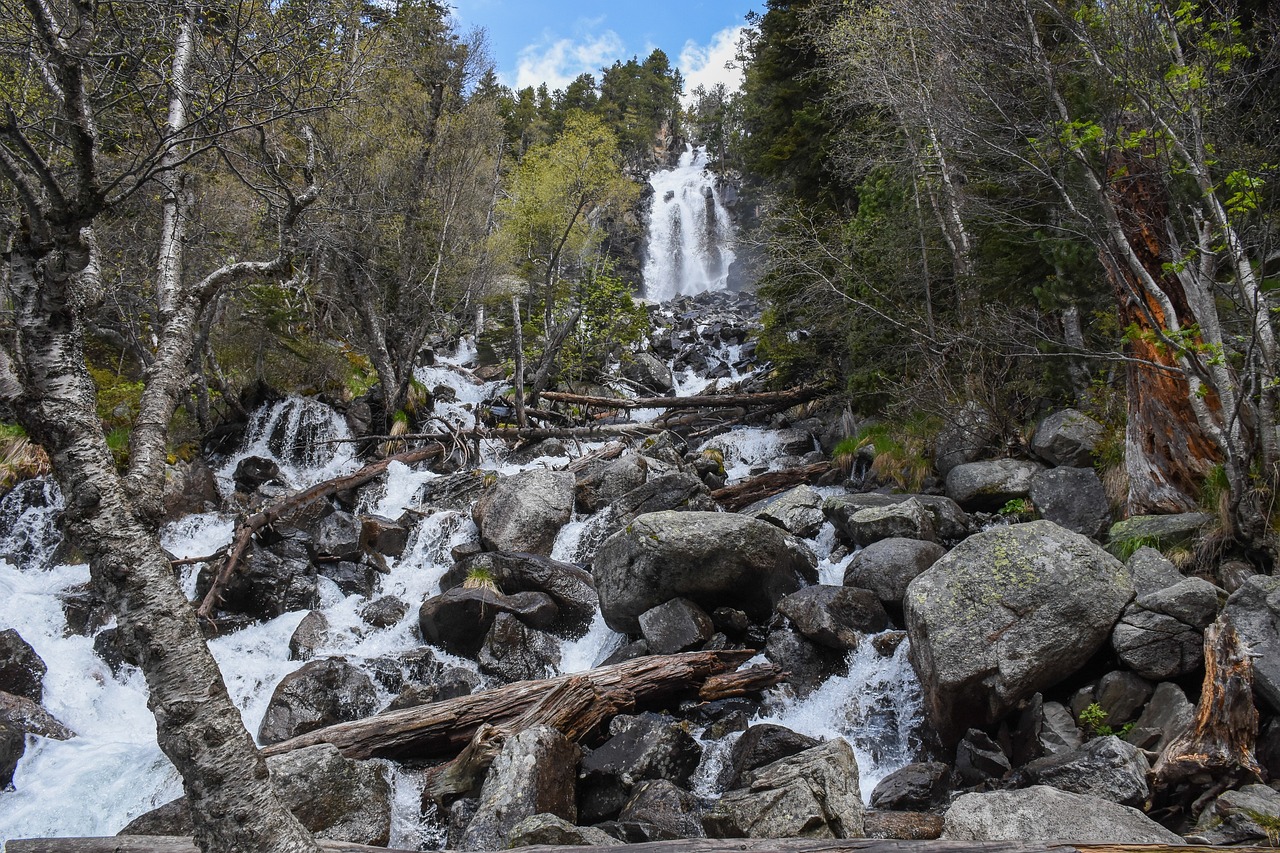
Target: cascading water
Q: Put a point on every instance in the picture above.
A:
(690, 231)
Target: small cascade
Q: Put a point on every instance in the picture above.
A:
(690, 231)
(298, 434)
(29, 534)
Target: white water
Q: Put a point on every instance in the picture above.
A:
(690, 231)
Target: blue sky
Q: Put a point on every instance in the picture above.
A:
(555, 41)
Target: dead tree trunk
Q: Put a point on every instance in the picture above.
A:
(1217, 752)
(442, 729)
(734, 498)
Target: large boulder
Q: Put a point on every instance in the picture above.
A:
(888, 566)
(907, 520)
(19, 712)
(1155, 531)
(601, 486)
(834, 616)
(1042, 813)
(1167, 715)
(524, 512)
(1161, 634)
(813, 794)
(319, 694)
(676, 490)
(1067, 437)
(675, 626)
(1244, 816)
(797, 511)
(761, 744)
(558, 832)
(671, 810)
(950, 522)
(713, 559)
(988, 486)
(267, 583)
(569, 586)
(533, 774)
(1254, 611)
(1105, 767)
(515, 652)
(21, 669)
(1006, 613)
(649, 372)
(923, 785)
(1072, 498)
(459, 620)
(649, 746)
(13, 744)
(334, 797)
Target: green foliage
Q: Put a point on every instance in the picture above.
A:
(1093, 719)
(610, 325)
(900, 451)
(1017, 507)
(1126, 548)
(480, 578)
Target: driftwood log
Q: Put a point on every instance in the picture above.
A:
(171, 844)
(735, 497)
(1217, 752)
(443, 729)
(290, 504)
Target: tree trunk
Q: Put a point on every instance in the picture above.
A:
(233, 804)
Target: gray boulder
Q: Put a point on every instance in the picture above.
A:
(383, 536)
(533, 774)
(383, 612)
(1072, 498)
(673, 811)
(761, 744)
(601, 486)
(1043, 813)
(964, 437)
(1233, 817)
(1161, 634)
(1152, 571)
(459, 619)
(979, 759)
(1105, 767)
(1006, 613)
(266, 584)
(1254, 611)
(321, 693)
(558, 832)
(311, 633)
(13, 744)
(513, 651)
(813, 794)
(798, 511)
(713, 559)
(988, 486)
(524, 512)
(1158, 531)
(924, 785)
(1067, 437)
(950, 522)
(834, 616)
(334, 797)
(649, 372)
(888, 566)
(676, 490)
(569, 586)
(675, 626)
(649, 746)
(19, 712)
(907, 520)
(21, 669)
(1167, 715)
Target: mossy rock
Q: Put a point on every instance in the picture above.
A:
(1155, 531)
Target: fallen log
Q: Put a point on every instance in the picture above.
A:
(287, 506)
(1217, 752)
(743, 682)
(735, 497)
(442, 729)
(173, 844)
(761, 398)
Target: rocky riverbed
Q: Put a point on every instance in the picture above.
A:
(950, 670)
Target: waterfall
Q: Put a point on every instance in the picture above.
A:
(690, 231)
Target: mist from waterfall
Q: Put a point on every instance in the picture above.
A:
(690, 231)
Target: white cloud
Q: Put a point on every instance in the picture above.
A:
(556, 63)
(706, 65)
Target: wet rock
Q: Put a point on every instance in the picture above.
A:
(1043, 813)
(458, 620)
(677, 490)
(675, 626)
(980, 759)
(1233, 818)
(13, 744)
(321, 693)
(887, 566)
(1005, 614)
(350, 578)
(798, 511)
(524, 512)
(570, 587)
(907, 520)
(950, 522)
(813, 794)
(312, 632)
(1159, 531)
(533, 774)
(514, 652)
(383, 536)
(21, 669)
(988, 486)
(84, 609)
(761, 744)
(384, 612)
(806, 663)
(650, 746)
(558, 832)
(189, 487)
(902, 825)
(19, 712)
(834, 616)
(923, 785)
(254, 471)
(675, 812)
(964, 438)
(1254, 611)
(649, 372)
(1067, 437)
(1072, 498)
(265, 585)
(601, 486)
(338, 535)
(713, 559)
(335, 798)
(1105, 767)
(428, 679)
